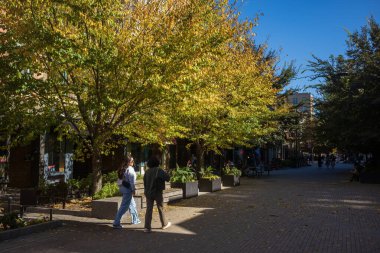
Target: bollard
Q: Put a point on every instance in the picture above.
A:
(51, 214)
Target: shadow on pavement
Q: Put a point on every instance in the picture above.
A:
(303, 210)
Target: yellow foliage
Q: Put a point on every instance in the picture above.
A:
(146, 70)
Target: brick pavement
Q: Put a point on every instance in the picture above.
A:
(296, 210)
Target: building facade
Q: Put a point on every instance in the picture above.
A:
(303, 102)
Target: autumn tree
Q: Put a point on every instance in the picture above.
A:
(112, 67)
(236, 107)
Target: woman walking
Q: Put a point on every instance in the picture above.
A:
(132, 207)
(126, 183)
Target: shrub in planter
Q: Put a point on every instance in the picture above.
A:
(185, 178)
(209, 182)
(183, 175)
(231, 176)
(108, 190)
(11, 221)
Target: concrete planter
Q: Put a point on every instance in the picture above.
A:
(206, 185)
(189, 189)
(230, 180)
(106, 208)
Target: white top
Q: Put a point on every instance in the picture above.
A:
(130, 176)
(132, 172)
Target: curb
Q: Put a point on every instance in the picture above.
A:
(13, 233)
(77, 213)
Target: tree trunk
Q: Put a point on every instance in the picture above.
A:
(157, 152)
(176, 153)
(42, 163)
(200, 151)
(96, 172)
(7, 159)
(166, 158)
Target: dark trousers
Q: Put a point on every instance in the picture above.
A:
(149, 209)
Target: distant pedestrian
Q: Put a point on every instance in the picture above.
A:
(320, 161)
(358, 168)
(328, 160)
(333, 161)
(154, 184)
(132, 207)
(126, 183)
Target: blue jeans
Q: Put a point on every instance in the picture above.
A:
(134, 214)
(125, 202)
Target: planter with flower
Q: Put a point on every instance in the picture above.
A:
(185, 178)
(231, 176)
(209, 182)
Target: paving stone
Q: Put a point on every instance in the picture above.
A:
(294, 210)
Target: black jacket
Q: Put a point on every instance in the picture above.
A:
(154, 181)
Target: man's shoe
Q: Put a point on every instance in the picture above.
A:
(137, 222)
(167, 225)
(117, 226)
(147, 230)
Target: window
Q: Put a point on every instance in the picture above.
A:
(56, 152)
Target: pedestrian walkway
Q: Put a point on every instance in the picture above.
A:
(295, 210)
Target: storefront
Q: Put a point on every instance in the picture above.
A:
(58, 159)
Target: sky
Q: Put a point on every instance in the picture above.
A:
(298, 29)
